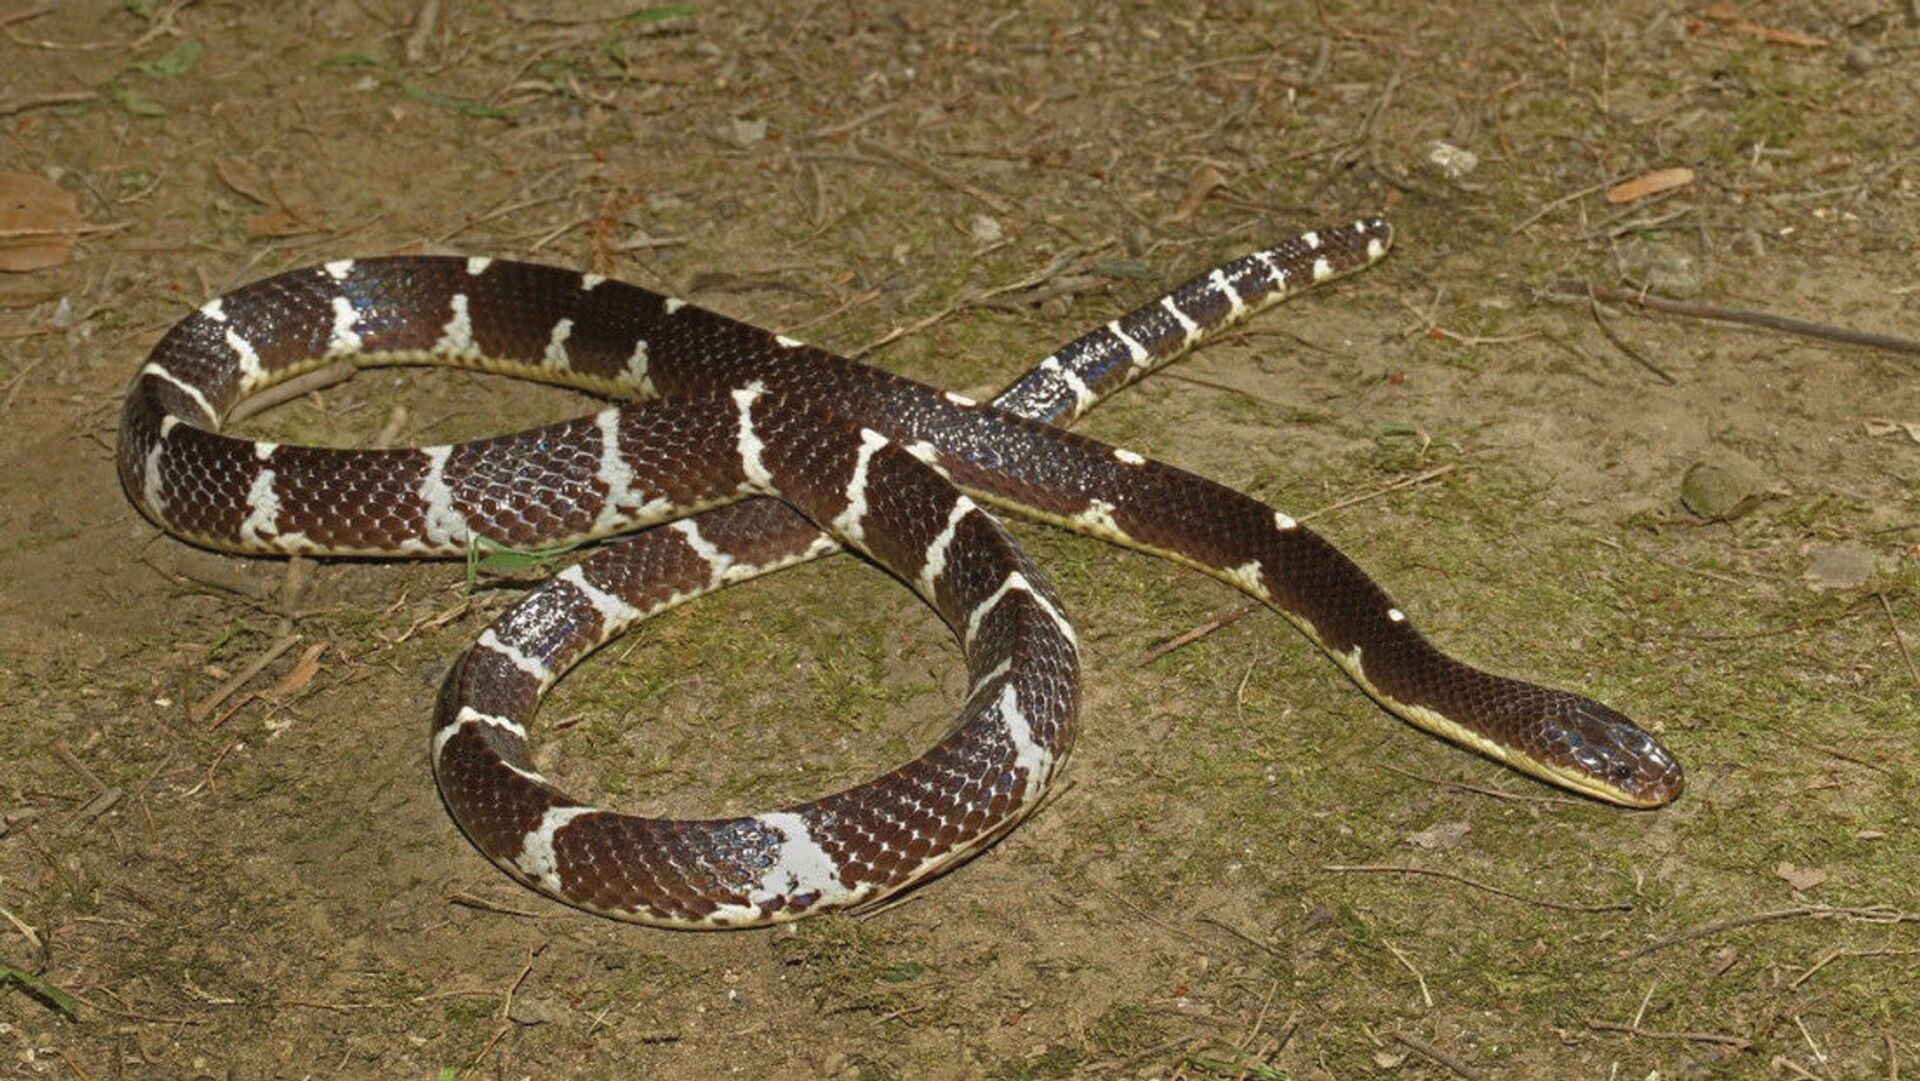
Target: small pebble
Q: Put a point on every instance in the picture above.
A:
(1718, 493)
(1451, 161)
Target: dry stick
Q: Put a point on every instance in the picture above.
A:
(27, 932)
(935, 173)
(1053, 269)
(13, 388)
(1882, 915)
(133, 1015)
(1239, 934)
(500, 211)
(1735, 1042)
(65, 230)
(1197, 633)
(423, 28)
(240, 679)
(498, 1034)
(1425, 995)
(1556, 204)
(1743, 316)
(73, 763)
(1912, 672)
(1404, 482)
(506, 1003)
(1839, 952)
(470, 900)
(1203, 381)
(26, 102)
(25, 15)
(1593, 305)
(1400, 869)
(845, 127)
(1428, 1050)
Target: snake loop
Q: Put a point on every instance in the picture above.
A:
(852, 456)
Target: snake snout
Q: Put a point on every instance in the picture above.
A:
(1618, 759)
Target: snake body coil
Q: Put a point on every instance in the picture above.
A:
(850, 455)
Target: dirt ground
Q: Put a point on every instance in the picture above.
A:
(236, 865)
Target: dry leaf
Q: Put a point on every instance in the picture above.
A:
(38, 220)
(1440, 836)
(1201, 184)
(1646, 184)
(301, 673)
(277, 223)
(1800, 878)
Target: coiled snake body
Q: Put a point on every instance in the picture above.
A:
(851, 455)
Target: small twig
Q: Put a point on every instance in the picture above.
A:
(20, 380)
(1197, 633)
(26, 102)
(220, 694)
(1239, 934)
(1430, 327)
(25, 14)
(500, 211)
(1404, 482)
(1202, 381)
(972, 299)
(506, 1001)
(91, 1004)
(834, 131)
(935, 173)
(1819, 1056)
(1593, 305)
(1705, 930)
(423, 28)
(1742, 316)
(1150, 917)
(73, 763)
(1913, 673)
(1429, 1051)
(1839, 952)
(27, 932)
(1397, 869)
(1550, 207)
(1735, 1042)
(1640, 1014)
(65, 230)
(319, 378)
(488, 1049)
(1425, 995)
(102, 802)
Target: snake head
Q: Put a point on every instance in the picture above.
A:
(1597, 751)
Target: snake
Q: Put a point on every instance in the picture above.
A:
(747, 451)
